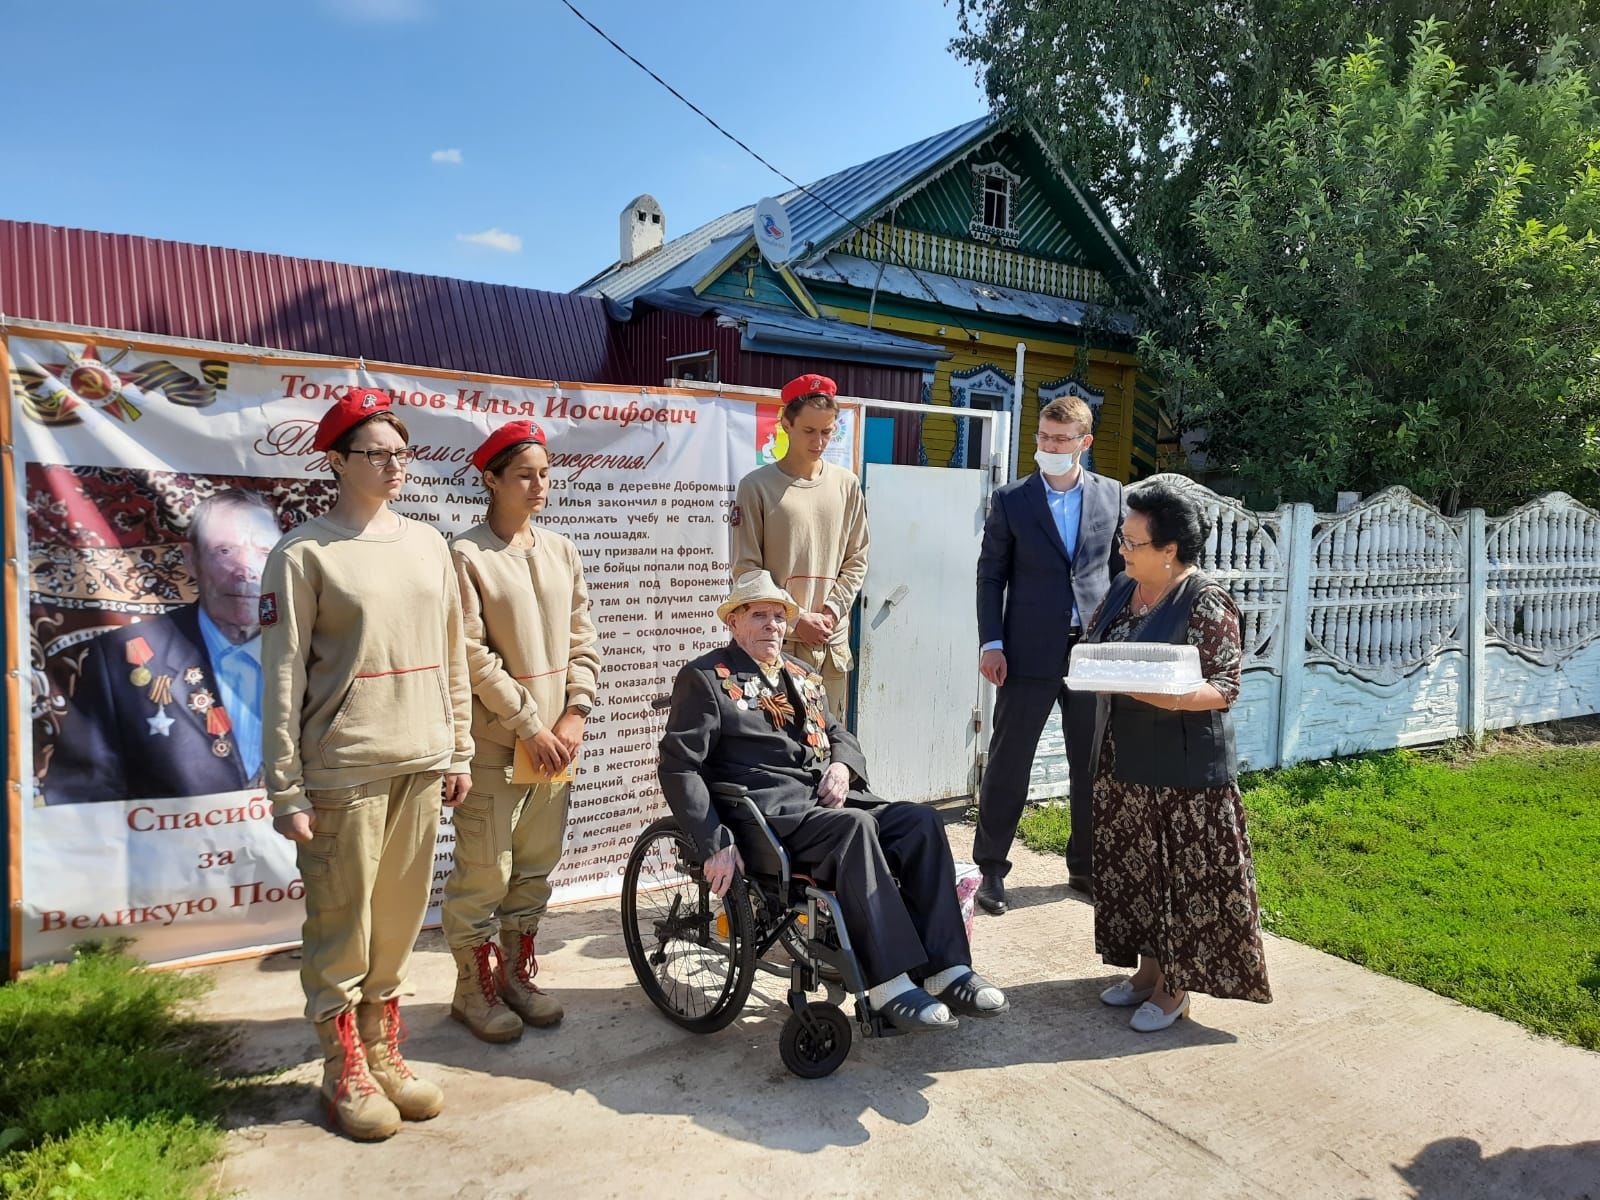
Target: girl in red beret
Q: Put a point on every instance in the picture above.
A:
(533, 661)
(366, 730)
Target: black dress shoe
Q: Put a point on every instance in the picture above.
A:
(992, 894)
(1081, 883)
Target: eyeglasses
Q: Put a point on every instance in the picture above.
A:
(1128, 543)
(381, 458)
(1052, 439)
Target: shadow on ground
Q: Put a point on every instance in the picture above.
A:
(1454, 1168)
(618, 1049)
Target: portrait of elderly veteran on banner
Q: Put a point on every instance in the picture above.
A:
(748, 714)
(171, 705)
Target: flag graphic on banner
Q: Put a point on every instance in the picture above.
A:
(56, 393)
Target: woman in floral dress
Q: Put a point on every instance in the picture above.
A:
(1175, 891)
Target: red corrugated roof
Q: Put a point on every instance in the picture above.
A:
(144, 285)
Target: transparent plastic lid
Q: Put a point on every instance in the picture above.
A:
(1160, 668)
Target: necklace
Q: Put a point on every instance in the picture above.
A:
(1144, 608)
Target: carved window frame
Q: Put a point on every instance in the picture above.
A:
(1006, 235)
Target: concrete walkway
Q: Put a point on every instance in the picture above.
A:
(1349, 1085)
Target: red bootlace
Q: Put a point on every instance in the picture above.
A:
(354, 1077)
(486, 970)
(394, 1032)
(527, 962)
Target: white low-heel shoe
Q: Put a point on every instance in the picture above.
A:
(1123, 994)
(1149, 1018)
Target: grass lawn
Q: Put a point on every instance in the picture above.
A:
(1476, 876)
(107, 1090)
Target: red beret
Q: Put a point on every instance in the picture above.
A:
(515, 434)
(357, 404)
(809, 385)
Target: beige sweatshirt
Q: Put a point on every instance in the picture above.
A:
(364, 664)
(810, 533)
(531, 647)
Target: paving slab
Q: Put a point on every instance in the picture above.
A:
(1349, 1084)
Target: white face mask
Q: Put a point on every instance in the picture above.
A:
(1056, 464)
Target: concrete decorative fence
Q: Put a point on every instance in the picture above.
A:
(1394, 625)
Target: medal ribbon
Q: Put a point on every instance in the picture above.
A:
(217, 722)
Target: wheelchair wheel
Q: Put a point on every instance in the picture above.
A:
(693, 954)
(793, 940)
(812, 1054)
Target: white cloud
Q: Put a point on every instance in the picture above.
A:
(494, 239)
(380, 10)
(451, 156)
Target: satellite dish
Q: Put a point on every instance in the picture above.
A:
(773, 235)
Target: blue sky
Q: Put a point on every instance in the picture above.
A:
(311, 127)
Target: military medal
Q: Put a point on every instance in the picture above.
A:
(138, 653)
(193, 676)
(218, 726)
(730, 685)
(201, 702)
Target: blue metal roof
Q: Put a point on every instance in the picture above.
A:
(947, 291)
(858, 193)
(768, 330)
(823, 212)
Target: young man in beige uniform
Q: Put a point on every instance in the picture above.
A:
(804, 521)
(367, 718)
(532, 657)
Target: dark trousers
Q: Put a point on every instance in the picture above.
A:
(1021, 708)
(859, 852)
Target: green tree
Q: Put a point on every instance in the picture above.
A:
(1147, 100)
(1403, 286)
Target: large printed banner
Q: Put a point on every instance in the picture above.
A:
(149, 482)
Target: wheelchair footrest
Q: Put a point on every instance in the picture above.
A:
(873, 1024)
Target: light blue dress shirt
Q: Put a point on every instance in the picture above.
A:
(1067, 509)
(237, 670)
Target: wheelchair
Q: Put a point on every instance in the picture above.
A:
(696, 956)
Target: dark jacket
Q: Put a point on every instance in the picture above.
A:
(1027, 583)
(1155, 746)
(710, 739)
(109, 750)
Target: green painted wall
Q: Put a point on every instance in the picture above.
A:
(1043, 211)
(745, 274)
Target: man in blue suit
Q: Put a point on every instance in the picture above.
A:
(1049, 553)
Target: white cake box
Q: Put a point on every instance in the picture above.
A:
(1158, 668)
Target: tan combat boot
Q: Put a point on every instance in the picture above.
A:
(356, 1104)
(382, 1031)
(477, 1000)
(516, 983)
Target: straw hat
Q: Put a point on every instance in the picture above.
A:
(753, 587)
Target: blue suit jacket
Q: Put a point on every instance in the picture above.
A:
(1027, 583)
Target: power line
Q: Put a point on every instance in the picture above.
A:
(711, 121)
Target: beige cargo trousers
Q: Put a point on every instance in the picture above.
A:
(508, 841)
(368, 872)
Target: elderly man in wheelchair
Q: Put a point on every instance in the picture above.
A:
(772, 817)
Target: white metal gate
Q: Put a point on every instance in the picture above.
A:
(917, 682)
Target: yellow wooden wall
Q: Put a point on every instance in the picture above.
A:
(1112, 373)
